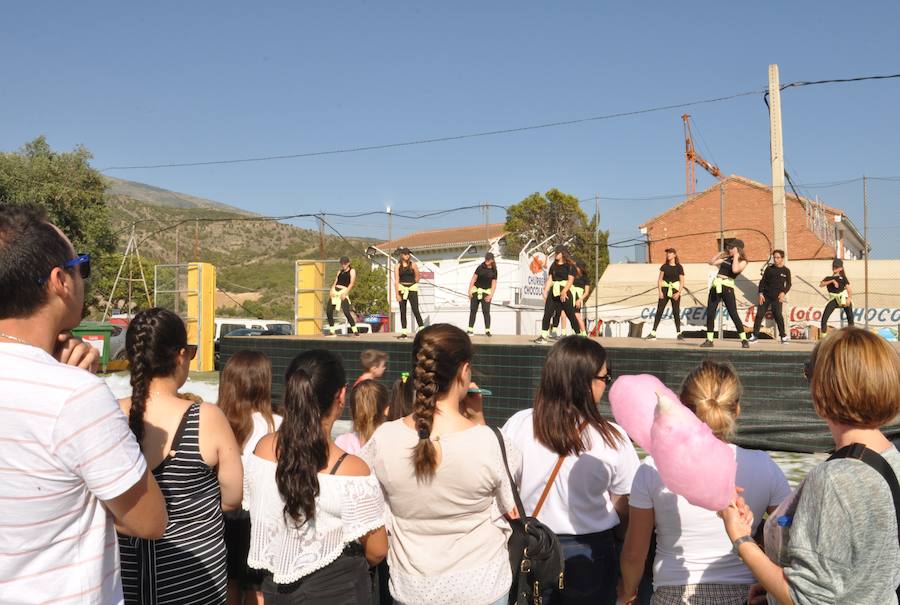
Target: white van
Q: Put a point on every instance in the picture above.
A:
(226, 325)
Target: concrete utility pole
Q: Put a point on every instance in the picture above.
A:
(866, 249)
(779, 210)
(596, 259)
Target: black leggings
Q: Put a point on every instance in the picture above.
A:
(676, 311)
(485, 310)
(554, 305)
(413, 300)
(776, 313)
(712, 305)
(830, 307)
(345, 307)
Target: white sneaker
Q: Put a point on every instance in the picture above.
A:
(785, 340)
(752, 338)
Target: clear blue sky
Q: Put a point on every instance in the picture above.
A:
(197, 81)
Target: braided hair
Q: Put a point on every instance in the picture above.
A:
(152, 342)
(438, 353)
(312, 381)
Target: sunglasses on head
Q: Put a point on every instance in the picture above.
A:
(82, 261)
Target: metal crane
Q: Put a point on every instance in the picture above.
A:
(692, 157)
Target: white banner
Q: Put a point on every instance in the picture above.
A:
(532, 277)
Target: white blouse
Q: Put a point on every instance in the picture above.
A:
(348, 507)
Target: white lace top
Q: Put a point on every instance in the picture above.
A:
(447, 539)
(348, 507)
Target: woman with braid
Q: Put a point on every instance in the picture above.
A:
(441, 474)
(730, 265)
(669, 285)
(196, 462)
(316, 512)
(406, 276)
(559, 282)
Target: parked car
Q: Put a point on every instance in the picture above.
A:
(243, 332)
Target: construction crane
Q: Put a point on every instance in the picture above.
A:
(692, 157)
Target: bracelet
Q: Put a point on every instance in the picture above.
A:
(737, 543)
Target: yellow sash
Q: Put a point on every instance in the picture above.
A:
(558, 286)
(577, 293)
(336, 295)
(674, 285)
(720, 281)
(480, 292)
(839, 297)
(405, 290)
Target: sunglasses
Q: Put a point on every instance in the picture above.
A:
(807, 370)
(191, 351)
(82, 261)
(607, 378)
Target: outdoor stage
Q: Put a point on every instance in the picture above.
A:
(776, 410)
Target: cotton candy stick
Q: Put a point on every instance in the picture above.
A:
(692, 462)
(633, 400)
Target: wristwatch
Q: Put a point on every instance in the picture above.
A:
(737, 543)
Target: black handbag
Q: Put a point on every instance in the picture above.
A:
(535, 555)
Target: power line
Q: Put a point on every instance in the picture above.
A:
(444, 139)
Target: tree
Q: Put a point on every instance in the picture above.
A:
(72, 193)
(369, 295)
(537, 217)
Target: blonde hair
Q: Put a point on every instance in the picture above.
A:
(368, 402)
(713, 392)
(855, 378)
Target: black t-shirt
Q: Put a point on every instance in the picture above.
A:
(561, 272)
(407, 275)
(841, 279)
(671, 273)
(484, 275)
(726, 269)
(343, 278)
(775, 280)
(581, 281)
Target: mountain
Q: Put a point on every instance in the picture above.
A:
(251, 255)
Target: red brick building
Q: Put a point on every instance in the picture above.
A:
(693, 226)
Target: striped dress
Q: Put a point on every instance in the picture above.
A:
(186, 565)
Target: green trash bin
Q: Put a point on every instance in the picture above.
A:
(98, 335)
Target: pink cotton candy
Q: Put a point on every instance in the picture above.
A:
(633, 400)
(692, 462)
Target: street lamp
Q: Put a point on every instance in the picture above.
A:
(371, 252)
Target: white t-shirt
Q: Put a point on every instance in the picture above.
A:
(691, 544)
(65, 446)
(578, 502)
(260, 430)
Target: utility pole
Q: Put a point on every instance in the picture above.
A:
(779, 210)
(722, 244)
(596, 259)
(321, 222)
(866, 249)
(197, 240)
(390, 273)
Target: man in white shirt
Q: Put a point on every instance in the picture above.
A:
(69, 464)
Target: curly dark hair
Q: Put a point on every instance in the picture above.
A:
(438, 352)
(312, 381)
(152, 342)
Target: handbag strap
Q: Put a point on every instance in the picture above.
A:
(540, 504)
(512, 482)
(877, 462)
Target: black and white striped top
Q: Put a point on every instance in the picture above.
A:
(186, 565)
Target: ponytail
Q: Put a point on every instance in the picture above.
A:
(312, 383)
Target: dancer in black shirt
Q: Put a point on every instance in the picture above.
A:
(669, 285)
(773, 288)
(407, 279)
(556, 291)
(338, 296)
(730, 265)
(481, 291)
(839, 293)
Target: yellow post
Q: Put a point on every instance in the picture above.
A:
(309, 297)
(201, 311)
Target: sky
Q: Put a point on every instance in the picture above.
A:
(179, 82)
